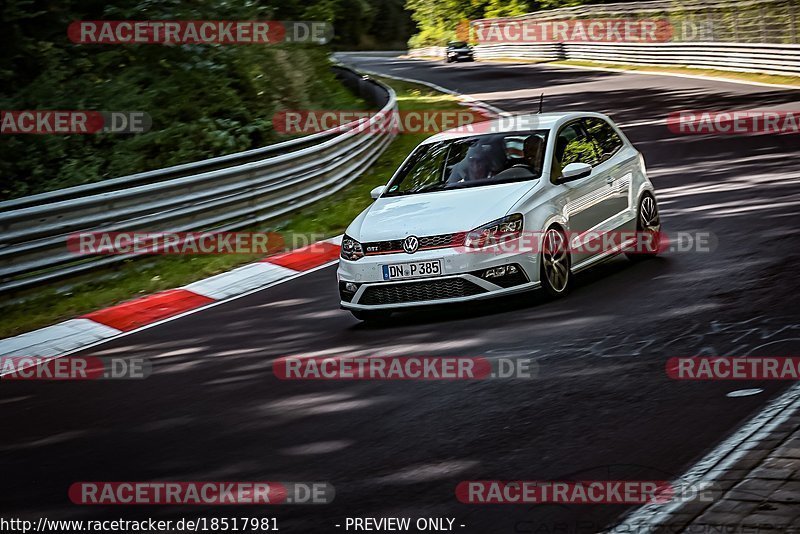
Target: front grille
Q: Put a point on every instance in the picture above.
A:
(444, 240)
(425, 242)
(419, 291)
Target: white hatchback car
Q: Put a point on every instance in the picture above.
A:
(450, 225)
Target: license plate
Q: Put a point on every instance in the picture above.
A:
(417, 269)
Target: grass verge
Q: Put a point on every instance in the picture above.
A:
(732, 75)
(326, 218)
(728, 74)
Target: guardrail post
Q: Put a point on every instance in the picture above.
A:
(709, 25)
(561, 51)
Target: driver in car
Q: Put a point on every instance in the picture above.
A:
(480, 163)
(477, 165)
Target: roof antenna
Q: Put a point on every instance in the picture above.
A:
(541, 100)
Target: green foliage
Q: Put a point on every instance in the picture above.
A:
(506, 8)
(204, 100)
(439, 21)
(325, 218)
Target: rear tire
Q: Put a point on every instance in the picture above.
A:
(648, 223)
(555, 263)
(371, 316)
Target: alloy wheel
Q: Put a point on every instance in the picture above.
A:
(555, 260)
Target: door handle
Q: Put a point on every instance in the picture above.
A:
(610, 180)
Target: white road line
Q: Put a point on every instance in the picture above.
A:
(646, 72)
(495, 109)
(715, 463)
(678, 75)
(465, 98)
(650, 122)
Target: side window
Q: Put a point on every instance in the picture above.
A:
(608, 142)
(573, 145)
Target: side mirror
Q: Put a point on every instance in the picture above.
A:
(378, 191)
(575, 171)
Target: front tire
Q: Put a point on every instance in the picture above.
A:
(555, 264)
(648, 230)
(371, 316)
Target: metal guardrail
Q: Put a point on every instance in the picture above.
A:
(219, 194)
(428, 51)
(742, 21)
(744, 57)
(550, 51)
(648, 7)
(762, 58)
(741, 35)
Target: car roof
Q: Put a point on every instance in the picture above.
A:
(514, 123)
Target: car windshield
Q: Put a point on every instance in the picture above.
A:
(457, 44)
(471, 162)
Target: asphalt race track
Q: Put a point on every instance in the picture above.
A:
(601, 408)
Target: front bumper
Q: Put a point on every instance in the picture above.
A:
(460, 55)
(460, 280)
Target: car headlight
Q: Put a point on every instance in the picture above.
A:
(351, 249)
(495, 232)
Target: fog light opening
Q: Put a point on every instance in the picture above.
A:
(505, 275)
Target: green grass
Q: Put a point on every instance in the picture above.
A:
(514, 60)
(425, 58)
(326, 218)
(733, 75)
(745, 76)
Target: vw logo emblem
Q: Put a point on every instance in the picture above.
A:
(411, 244)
